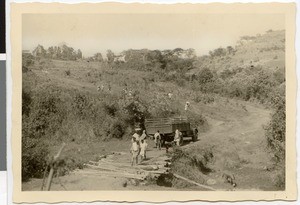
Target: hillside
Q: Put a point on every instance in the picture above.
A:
(266, 51)
(91, 103)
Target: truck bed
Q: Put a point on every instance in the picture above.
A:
(166, 125)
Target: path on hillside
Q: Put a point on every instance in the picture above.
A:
(239, 148)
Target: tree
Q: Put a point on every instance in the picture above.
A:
(98, 57)
(50, 52)
(191, 53)
(59, 53)
(230, 50)
(110, 56)
(79, 54)
(68, 53)
(39, 51)
(205, 76)
(154, 56)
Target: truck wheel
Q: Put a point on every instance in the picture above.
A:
(181, 141)
(163, 143)
(195, 138)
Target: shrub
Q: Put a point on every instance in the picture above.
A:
(275, 130)
(34, 158)
(26, 102)
(204, 98)
(205, 76)
(27, 59)
(113, 128)
(110, 109)
(68, 72)
(193, 164)
(117, 129)
(275, 135)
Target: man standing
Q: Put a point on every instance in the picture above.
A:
(177, 137)
(186, 107)
(195, 134)
(157, 140)
(136, 136)
(143, 136)
(134, 150)
(143, 146)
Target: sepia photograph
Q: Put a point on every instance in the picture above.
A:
(153, 102)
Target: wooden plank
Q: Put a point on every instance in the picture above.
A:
(192, 182)
(107, 168)
(112, 169)
(112, 174)
(91, 170)
(139, 167)
(133, 170)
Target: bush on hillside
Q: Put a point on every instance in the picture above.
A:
(27, 59)
(203, 97)
(34, 157)
(275, 134)
(44, 114)
(26, 102)
(193, 164)
(205, 75)
(275, 130)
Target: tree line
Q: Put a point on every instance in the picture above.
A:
(63, 52)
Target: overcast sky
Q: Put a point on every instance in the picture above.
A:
(98, 32)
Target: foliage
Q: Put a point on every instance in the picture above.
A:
(34, 157)
(62, 52)
(68, 72)
(193, 165)
(218, 52)
(275, 130)
(203, 97)
(27, 59)
(275, 135)
(110, 56)
(97, 57)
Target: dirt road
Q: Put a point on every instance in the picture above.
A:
(239, 148)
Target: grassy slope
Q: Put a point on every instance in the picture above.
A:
(230, 125)
(266, 50)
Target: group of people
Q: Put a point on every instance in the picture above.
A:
(158, 139)
(138, 147)
(139, 144)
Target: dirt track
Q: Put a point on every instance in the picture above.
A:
(240, 149)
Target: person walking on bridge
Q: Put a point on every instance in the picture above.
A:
(136, 136)
(134, 150)
(143, 146)
(143, 136)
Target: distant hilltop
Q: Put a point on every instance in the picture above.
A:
(266, 51)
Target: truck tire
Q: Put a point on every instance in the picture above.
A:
(163, 143)
(181, 141)
(195, 138)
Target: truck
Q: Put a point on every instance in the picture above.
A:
(167, 128)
